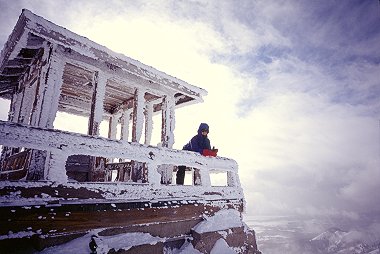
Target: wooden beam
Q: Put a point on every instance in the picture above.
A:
(133, 76)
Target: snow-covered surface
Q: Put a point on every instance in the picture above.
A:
(187, 248)
(19, 234)
(127, 240)
(224, 219)
(105, 243)
(221, 247)
(122, 192)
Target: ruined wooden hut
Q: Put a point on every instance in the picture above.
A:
(57, 186)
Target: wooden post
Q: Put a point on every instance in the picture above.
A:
(50, 90)
(204, 178)
(99, 82)
(197, 179)
(168, 121)
(125, 124)
(56, 167)
(21, 106)
(148, 123)
(167, 135)
(29, 92)
(153, 176)
(233, 179)
(5, 150)
(96, 115)
(112, 127)
(36, 169)
(124, 132)
(15, 107)
(139, 170)
(14, 111)
(43, 73)
(138, 114)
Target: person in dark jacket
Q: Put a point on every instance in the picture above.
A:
(197, 144)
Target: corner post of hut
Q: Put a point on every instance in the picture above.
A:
(167, 134)
(139, 169)
(43, 115)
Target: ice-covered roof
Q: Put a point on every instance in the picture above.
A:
(83, 49)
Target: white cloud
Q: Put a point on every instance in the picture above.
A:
(305, 152)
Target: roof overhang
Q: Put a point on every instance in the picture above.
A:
(23, 49)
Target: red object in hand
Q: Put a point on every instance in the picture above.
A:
(207, 152)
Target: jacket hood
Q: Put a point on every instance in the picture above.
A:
(203, 126)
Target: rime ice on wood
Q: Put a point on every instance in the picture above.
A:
(138, 115)
(112, 128)
(125, 124)
(168, 119)
(52, 92)
(99, 83)
(56, 162)
(148, 122)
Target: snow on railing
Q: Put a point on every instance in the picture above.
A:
(61, 145)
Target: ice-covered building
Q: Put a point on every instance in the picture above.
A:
(60, 188)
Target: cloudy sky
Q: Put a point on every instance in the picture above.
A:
(293, 86)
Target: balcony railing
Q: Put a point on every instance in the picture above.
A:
(59, 145)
